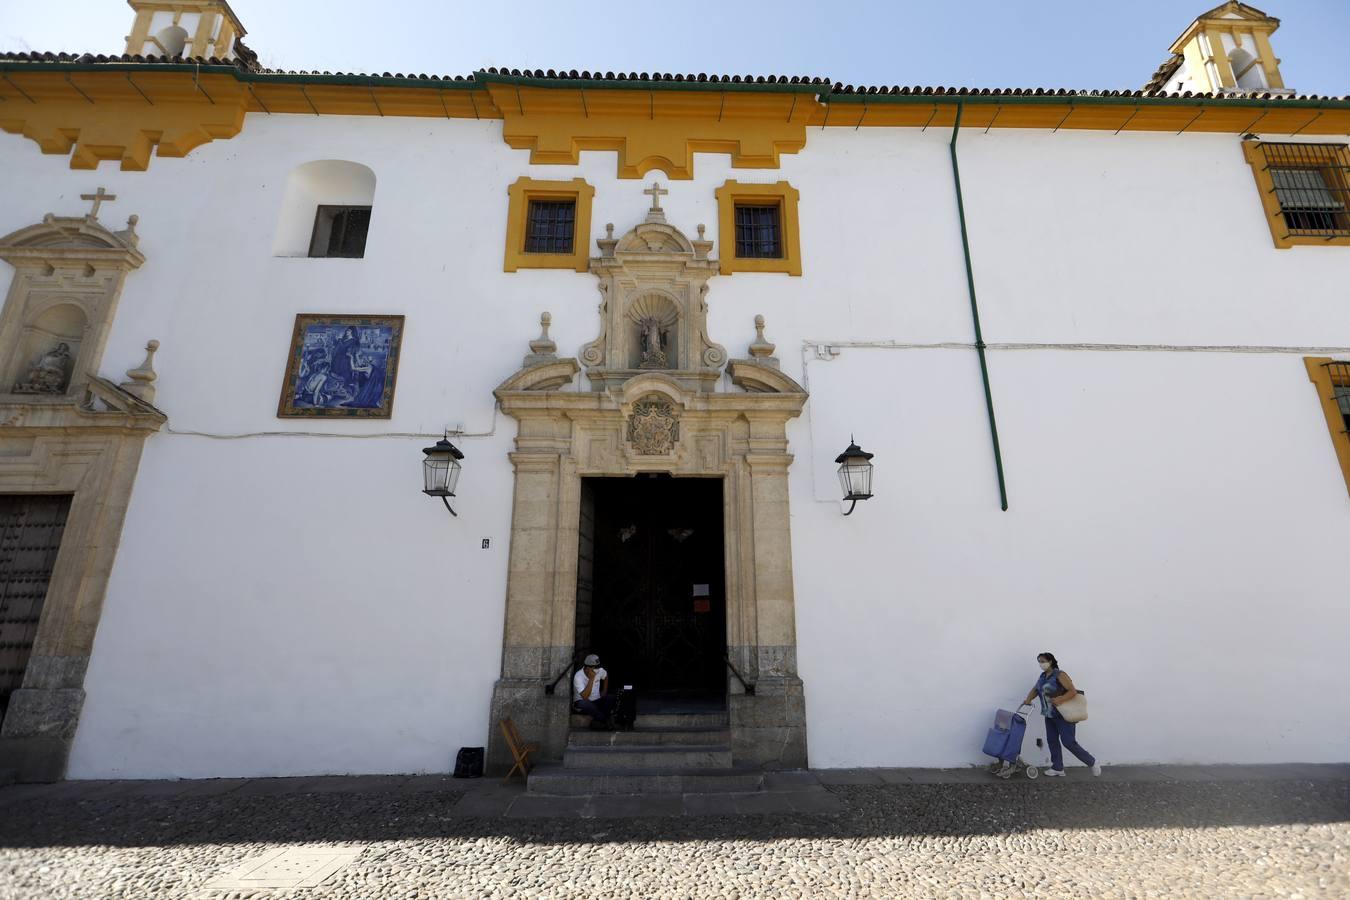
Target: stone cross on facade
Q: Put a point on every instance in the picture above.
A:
(655, 192)
(98, 199)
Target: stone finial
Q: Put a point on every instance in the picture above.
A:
(608, 242)
(142, 383)
(702, 245)
(761, 350)
(128, 235)
(542, 349)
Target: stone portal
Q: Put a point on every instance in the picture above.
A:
(673, 417)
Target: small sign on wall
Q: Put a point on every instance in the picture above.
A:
(700, 590)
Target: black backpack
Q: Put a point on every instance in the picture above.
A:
(469, 762)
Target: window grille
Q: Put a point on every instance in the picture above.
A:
(1340, 386)
(1312, 184)
(340, 232)
(758, 232)
(550, 226)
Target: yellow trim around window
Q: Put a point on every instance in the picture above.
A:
(1320, 374)
(782, 194)
(521, 193)
(1265, 183)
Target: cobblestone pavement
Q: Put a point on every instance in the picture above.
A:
(874, 834)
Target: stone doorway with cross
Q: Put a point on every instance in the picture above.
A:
(665, 418)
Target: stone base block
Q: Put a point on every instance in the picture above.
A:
(768, 728)
(38, 732)
(540, 718)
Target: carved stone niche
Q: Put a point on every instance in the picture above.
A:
(61, 303)
(653, 309)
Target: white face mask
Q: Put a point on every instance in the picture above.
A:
(1045, 666)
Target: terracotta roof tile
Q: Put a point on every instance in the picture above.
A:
(825, 86)
(1164, 73)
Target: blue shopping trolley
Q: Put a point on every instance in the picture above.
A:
(1004, 743)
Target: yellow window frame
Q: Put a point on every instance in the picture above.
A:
(517, 220)
(1331, 159)
(1329, 374)
(780, 194)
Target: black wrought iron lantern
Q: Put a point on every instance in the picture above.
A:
(855, 474)
(440, 471)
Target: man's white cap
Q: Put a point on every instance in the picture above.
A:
(592, 660)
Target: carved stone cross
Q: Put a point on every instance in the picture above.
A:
(655, 192)
(98, 199)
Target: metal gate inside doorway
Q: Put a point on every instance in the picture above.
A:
(30, 534)
(654, 606)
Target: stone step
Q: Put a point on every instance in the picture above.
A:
(644, 736)
(554, 780)
(657, 756)
(657, 721)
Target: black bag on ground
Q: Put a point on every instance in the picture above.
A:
(625, 710)
(469, 762)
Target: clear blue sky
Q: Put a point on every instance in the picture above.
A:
(979, 43)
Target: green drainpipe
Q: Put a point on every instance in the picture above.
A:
(975, 313)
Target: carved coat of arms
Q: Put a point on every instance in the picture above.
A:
(653, 427)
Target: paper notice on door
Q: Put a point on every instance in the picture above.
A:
(700, 590)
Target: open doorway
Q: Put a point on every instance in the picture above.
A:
(651, 596)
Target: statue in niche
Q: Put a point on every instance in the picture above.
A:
(654, 341)
(50, 375)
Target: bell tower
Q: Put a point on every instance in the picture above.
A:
(186, 28)
(1227, 50)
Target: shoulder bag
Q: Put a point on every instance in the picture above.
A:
(1074, 710)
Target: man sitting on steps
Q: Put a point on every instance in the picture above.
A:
(590, 693)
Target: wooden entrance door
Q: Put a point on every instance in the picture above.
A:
(30, 534)
(658, 610)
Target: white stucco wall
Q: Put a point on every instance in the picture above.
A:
(286, 604)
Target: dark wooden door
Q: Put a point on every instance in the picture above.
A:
(658, 616)
(30, 534)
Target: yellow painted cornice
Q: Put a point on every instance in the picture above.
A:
(125, 111)
(652, 129)
(95, 116)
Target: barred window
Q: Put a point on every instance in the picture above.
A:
(759, 231)
(1332, 379)
(550, 225)
(1311, 183)
(1340, 386)
(340, 231)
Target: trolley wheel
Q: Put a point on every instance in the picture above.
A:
(1033, 772)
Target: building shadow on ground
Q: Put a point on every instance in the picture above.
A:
(160, 814)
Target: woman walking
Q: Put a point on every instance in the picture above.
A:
(1055, 687)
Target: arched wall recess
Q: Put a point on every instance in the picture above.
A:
(54, 331)
(324, 182)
